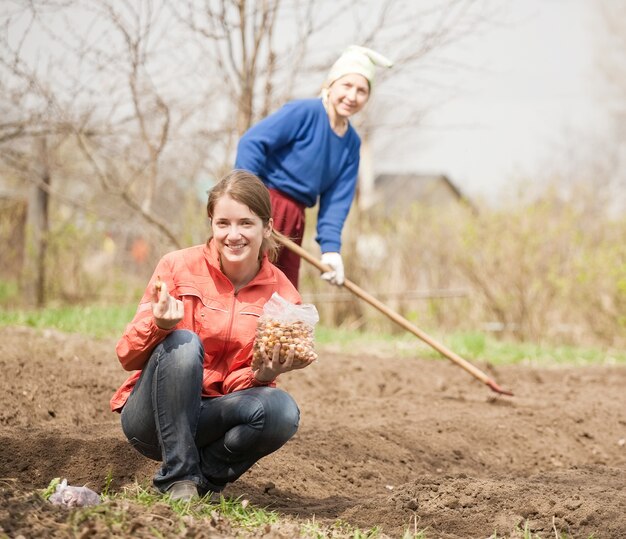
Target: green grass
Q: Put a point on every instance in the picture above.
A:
(245, 519)
(95, 321)
(473, 346)
(110, 321)
(112, 515)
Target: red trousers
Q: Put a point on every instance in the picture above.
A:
(288, 215)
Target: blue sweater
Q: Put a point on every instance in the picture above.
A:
(295, 151)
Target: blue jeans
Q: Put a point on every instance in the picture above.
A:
(210, 441)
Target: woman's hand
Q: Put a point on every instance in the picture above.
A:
(167, 311)
(270, 365)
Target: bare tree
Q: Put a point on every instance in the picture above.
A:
(610, 59)
(37, 240)
(139, 99)
(111, 107)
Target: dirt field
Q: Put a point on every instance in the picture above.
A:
(383, 442)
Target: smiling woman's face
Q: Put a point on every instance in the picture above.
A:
(349, 94)
(238, 234)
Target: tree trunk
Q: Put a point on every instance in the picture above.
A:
(34, 271)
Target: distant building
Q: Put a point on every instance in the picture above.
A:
(401, 190)
(398, 191)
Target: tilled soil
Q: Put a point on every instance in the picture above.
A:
(400, 444)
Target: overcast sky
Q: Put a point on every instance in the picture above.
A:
(529, 83)
(534, 85)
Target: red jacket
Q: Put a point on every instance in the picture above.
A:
(224, 320)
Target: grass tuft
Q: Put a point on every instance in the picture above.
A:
(115, 515)
(51, 488)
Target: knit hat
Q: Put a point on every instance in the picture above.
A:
(356, 59)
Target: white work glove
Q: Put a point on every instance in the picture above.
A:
(336, 276)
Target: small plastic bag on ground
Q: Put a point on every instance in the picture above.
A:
(292, 326)
(74, 496)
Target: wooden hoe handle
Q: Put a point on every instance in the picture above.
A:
(365, 296)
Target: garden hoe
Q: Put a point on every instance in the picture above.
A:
(357, 291)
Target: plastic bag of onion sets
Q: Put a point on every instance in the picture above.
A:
(71, 496)
(289, 325)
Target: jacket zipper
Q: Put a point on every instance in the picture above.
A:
(231, 316)
(230, 320)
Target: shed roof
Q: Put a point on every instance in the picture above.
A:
(401, 189)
